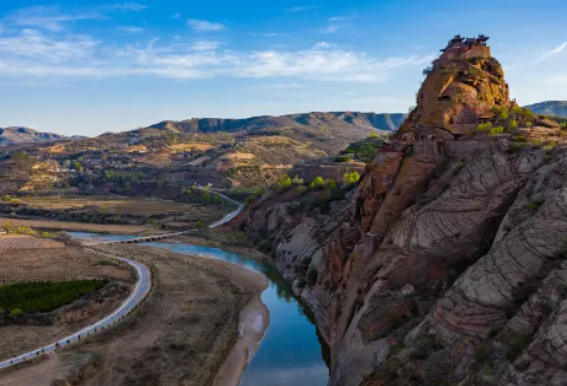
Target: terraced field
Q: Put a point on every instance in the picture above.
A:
(27, 242)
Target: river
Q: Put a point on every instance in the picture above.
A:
(291, 352)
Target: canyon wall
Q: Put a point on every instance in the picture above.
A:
(446, 266)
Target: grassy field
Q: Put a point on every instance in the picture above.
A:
(80, 227)
(110, 204)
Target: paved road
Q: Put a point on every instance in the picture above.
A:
(146, 239)
(141, 290)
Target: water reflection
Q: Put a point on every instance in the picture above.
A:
(292, 352)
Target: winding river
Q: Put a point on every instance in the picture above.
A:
(291, 352)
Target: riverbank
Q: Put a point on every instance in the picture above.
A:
(181, 335)
(32, 331)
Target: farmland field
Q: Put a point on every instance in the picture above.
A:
(51, 267)
(111, 204)
(45, 296)
(27, 242)
(78, 226)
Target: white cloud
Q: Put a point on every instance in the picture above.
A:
(136, 7)
(335, 24)
(33, 53)
(131, 29)
(557, 50)
(282, 86)
(48, 18)
(302, 9)
(205, 45)
(33, 44)
(204, 25)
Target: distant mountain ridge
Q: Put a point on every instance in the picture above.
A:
(376, 121)
(557, 108)
(19, 135)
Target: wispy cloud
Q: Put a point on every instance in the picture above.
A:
(33, 53)
(282, 86)
(48, 18)
(205, 45)
(335, 24)
(204, 25)
(136, 7)
(133, 30)
(303, 8)
(549, 54)
(32, 44)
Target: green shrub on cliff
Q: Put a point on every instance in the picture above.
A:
(317, 183)
(496, 131)
(349, 179)
(483, 127)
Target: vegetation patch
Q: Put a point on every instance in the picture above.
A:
(45, 296)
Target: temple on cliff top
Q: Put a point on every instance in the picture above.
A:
(466, 48)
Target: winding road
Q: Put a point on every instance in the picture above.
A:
(141, 290)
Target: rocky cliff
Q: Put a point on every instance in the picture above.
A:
(447, 265)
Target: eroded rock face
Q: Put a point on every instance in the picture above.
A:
(448, 265)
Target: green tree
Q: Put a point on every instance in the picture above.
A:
(496, 131)
(198, 224)
(301, 190)
(283, 184)
(350, 179)
(330, 184)
(16, 312)
(297, 181)
(76, 165)
(317, 183)
(206, 196)
(6, 197)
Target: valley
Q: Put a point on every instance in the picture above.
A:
(365, 249)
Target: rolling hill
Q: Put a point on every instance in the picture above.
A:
(20, 135)
(557, 108)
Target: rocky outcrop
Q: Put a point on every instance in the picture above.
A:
(447, 266)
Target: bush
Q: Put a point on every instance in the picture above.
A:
(283, 184)
(513, 124)
(301, 190)
(16, 312)
(2, 311)
(198, 224)
(317, 183)
(6, 197)
(504, 115)
(342, 158)
(496, 131)
(527, 113)
(330, 184)
(350, 179)
(297, 181)
(15, 201)
(484, 127)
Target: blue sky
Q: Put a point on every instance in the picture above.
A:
(87, 67)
